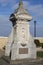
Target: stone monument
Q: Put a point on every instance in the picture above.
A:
(20, 43)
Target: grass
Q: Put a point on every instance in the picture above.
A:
(40, 54)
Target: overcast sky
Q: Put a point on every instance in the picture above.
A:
(34, 7)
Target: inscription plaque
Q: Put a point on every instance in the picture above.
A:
(23, 50)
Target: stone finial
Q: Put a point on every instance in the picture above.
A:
(20, 3)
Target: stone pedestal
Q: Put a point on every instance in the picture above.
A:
(24, 46)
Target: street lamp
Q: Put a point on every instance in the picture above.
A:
(34, 28)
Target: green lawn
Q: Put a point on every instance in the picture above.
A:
(40, 54)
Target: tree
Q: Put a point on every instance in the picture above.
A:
(36, 41)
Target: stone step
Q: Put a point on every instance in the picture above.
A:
(6, 61)
(27, 61)
(6, 58)
(3, 62)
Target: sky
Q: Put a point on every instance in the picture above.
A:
(34, 8)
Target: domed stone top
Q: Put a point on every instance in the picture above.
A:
(21, 12)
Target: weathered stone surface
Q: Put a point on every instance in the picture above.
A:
(20, 42)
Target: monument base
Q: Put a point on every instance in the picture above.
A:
(22, 52)
(6, 60)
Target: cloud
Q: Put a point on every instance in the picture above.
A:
(14, 6)
(36, 10)
(3, 19)
(6, 2)
(5, 25)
